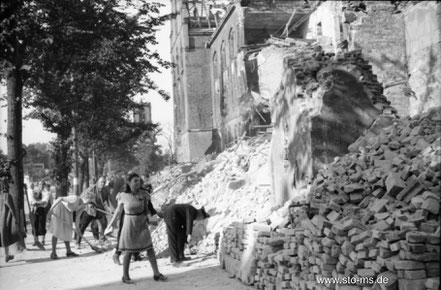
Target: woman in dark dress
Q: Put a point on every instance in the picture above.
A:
(135, 234)
(9, 230)
(39, 200)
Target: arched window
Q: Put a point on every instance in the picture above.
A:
(223, 80)
(216, 84)
(232, 44)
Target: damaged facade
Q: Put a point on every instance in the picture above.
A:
(316, 73)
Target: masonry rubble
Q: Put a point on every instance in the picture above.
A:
(374, 212)
(233, 186)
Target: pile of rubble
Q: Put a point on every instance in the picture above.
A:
(236, 186)
(373, 216)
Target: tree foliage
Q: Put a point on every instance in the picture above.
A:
(83, 62)
(148, 153)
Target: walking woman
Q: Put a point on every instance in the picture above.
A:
(61, 224)
(39, 200)
(135, 234)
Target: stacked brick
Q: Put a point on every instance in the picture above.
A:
(237, 239)
(268, 245)
(379, 208)
(374, 213)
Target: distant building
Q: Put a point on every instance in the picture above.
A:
(210, 77)
(143, 115)
(246, 26)
(215, 45)
(191, 27)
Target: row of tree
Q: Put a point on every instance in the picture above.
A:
(78, 64)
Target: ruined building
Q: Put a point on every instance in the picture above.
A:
(316, 73)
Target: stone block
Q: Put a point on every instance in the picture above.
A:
(414, 248)
(347, 248)
(428, 227)
(379, 192)
(423, 257)
(407, 284)
(433, 239)
(418, 274)
(366, 272)
(333, 216)
(382, 225)
(373, 253)
(395, 247)
(413, 188)
(385, 253)
(433, 273)
(433, 248)
(379, 205)
(405, 173)
(353, 188)
(409, 265)
(416, 237)
(381, 216)
(431, 205)
(428, 194)
(355, 197)
(394, 184)
(353, 223)
(432, 283)
(386, 281)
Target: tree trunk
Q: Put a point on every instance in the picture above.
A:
(86, 171)
(83, 171)
(14, 84)
(62, 163)
(75, 181)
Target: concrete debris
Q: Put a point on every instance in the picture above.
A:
(234, 186)
(391, 229)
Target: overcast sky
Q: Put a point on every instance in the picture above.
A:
(162, 111)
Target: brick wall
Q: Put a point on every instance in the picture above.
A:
(379, 33)
(324, 103)
(423, 46)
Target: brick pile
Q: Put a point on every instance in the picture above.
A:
(374, 212)
(243, 246)
(380, 206)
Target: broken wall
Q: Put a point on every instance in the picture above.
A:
(401, 40)
(324, 25)
(423, 49)
(322, 104)
(380, 34)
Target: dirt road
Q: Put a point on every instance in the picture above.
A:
(33, 269)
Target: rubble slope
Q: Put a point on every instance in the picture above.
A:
(234, 186)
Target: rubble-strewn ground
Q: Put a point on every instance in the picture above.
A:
(33, 269)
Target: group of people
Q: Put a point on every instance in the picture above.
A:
(128, 202)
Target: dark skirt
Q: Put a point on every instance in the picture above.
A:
(40, 221)
(8, 225)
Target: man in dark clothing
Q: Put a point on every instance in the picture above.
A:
(95, 198)
(116, 185)
(179, 220)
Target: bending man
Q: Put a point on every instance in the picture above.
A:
(179, 220)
